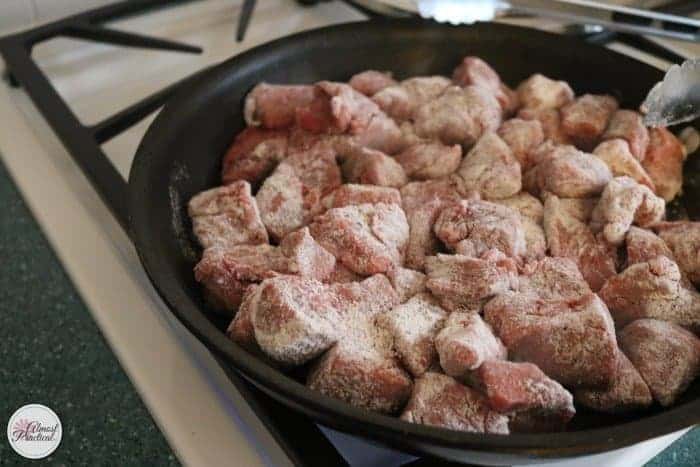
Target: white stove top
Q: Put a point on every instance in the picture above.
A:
(200, 412)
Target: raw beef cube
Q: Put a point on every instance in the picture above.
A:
(531, 215)
(226, 273)
(227, 216)
(683, 238)
(617, 156)
(465, 343)
(644, 245)
(570, 237)
(361, 369)
(306, 257)
(522, 136)
(281, 201)
(540, 92)
(628, 391)
(241, 329)
(367, 238)
(491, 169)
(439, 400)
(382, 134)
(291, 196)
(413, 326)
(628, 125)
(371, 167)
(550, 119)
(458, 116)
(371, 82)
(667, 356)
(585, 119)
(622, 203)
(535, 402)
(422, 202)
(406, 282)
(569, 173)
(463, 284)
(274, 106)
(553, 279)
(526, 205)
(401, 101)
(473, 71)
(430, 160)
(664, 162)
(253, 155)
(352, 194)
(653, 289)
(480, 226)
(572, 341)
(535, 240)
(341, 274)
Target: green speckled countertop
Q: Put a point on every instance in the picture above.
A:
(51, 352)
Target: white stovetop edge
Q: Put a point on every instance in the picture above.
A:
(194, 404)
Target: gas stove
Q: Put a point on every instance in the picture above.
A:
(86, 83)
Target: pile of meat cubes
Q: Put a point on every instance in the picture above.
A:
(456, 252)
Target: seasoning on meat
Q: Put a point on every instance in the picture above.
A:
(428, 160)
(664, 162)
(628, 125)
(371, 167)
(370, 82)
(253, 155)
(683, 238)
(585, 119)
(540, 92)
(522, 136)
(401, 101)
(617, 156)
(274, 106)
(406, 282)
(353, 194)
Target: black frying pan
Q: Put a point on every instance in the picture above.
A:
(181, 154)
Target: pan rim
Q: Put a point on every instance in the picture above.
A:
(331, 412)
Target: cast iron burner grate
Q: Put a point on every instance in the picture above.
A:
(299, 437)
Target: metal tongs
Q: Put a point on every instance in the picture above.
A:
(612, 17)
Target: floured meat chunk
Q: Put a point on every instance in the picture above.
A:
(241, 329)
(458, 116)
(339, 109)
(465, 343)
(622, 203)
(401, 101)
(644, 245)
(550, 119)
(664, 162)
(617, 156)
(439, 400)
(367, 238)
(628, 125)
(522, 136)
(296, 319)
(227, 216)
(535, 402)
(653, 289)
(490, 169)
(585, 119)
(341, 274)
(572, 341)
(422, 202)
(569, 236)
(274, 105)
(628, 391)
(531, 214)
(569, 173)
(406, 282)
(540, 92)
(370, 82)
(352, 194)
(474, 227)
(371, 167)
(291, 196)
(430, 160)
(473, 71)
(683, 238)
(226, 272)
(253, 155)
(667, 356)
(463, 284)
(413, 326)
(553, 279)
